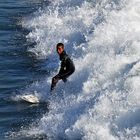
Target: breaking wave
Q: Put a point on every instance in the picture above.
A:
(101, 99)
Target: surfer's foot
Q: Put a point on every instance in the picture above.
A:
(52, 91)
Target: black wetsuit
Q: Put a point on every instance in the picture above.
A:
(67, 68)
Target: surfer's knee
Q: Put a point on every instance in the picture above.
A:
(55, 79)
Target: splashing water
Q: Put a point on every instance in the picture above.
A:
(101, 99)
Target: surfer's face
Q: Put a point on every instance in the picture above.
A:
(60, 49)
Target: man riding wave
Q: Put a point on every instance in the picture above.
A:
(67, 66)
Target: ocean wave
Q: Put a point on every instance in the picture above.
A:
(101, 99)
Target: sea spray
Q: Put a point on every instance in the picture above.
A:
(103, 39)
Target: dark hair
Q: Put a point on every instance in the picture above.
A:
(59, 44)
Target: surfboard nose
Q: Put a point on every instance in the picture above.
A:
(30, 98)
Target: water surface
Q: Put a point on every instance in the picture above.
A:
(17, 68)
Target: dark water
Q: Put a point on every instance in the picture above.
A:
(17, 68)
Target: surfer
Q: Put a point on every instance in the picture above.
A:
(67, 66)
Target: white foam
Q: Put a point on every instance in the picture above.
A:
(103, 38)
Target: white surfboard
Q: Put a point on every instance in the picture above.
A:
(30, 98)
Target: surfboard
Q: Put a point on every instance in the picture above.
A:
(30, 98)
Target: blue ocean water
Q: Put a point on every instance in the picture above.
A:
(100, 100)
(17, 68)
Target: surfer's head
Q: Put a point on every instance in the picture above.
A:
(60, 48)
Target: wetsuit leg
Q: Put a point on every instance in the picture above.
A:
(54, 82)
(64, 80)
